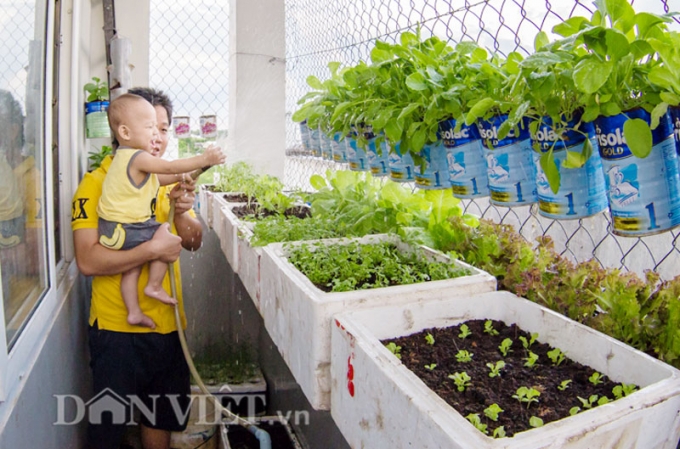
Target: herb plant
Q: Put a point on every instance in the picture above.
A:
(527, 395)
(476, 421)
(464, 331)
(493, 411)
(464, 356)
(430, 339)
(97, 90)
(394, 349)
(495, 368)
(505, 347)
(557, 356)
(462, 380)
(488, 328)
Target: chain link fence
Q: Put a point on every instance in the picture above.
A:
(189, 60)
(318, 32)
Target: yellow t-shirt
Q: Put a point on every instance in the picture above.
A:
(122, 201)
(28, 172)
(107, 306)
(11, 204)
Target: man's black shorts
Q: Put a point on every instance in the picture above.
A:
(146, 367)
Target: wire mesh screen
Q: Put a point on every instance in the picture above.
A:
(345, 31)
(189, 58)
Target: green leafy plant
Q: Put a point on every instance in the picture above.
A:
(527, 343)
(527, 395)
(97, 90)
(464, 331)
(489, 329)
(462, 380)
(464, 356)
(96, 157)
(564, 385)
(499, 432)
(504, 347)
(535, 422)
(493, 411)
(431, 366)
(596, 378)
(476, 421)
(588, 403)
(531, 359)
(556, 356)
(429, 339)
(574, 410)
(623, 390)
(394, 349)
(495, 368)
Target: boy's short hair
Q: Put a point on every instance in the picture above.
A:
(118, 108)
(154, 96)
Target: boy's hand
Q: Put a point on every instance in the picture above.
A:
(214, 155)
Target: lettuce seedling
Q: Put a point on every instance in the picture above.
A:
(431, 366)
(488, 328)
(596, 378)
(499, 432)
(564, 385)
(429, 339)
(464, 331)
(464, 356)
(476, 421)
(505, 347)
(527, 395)
(531, 360)
(535, 421)
(622, 390)
(557, 356)
(527, 343)
(493, 411)
(394, 349)
(462, 380)
(495, 368)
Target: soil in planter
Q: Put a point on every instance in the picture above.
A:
(483, 391)
(253, 210)
(237, 198)
(241, 438)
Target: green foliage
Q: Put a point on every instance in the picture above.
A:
(464, 331)
(464, 356)
(564, 385)
(476, 421)
(489, 329)
(462, 380)
(492, 412)
(278, 228)
(430, 339)
(504, 347)
(535, 422)
(495, 368)
(356, 266)
(431, 366)
(596, 378)
(588, 403)
(96, 157)
(527, 343)
(527, 395)
(623, 390)
(556, 356)
(531, 360)
(97, 90)
(394, 349)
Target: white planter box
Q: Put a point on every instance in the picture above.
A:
(226, 226)
(392, 408)
(298, 315)
(205, 202)
(249, 262)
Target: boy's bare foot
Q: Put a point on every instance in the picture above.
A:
(159, 294)
(139, 319)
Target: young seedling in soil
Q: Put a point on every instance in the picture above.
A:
(476, 421)
(588, 403)
(505, 347)
(464, 356)
(431, 366)
(492, 412)
(535, 421)
(429, 339)
(564, 385)
(394, 349)
(531, 360)
(622, 390)
(464, 331)
(488, 328)
(495, 368)
(527, 395)
(596, 378)
(462, 380)
(557, 356)
(528, 342)
(499, 432)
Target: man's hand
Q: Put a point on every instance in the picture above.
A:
(184, 194)
(166, 245)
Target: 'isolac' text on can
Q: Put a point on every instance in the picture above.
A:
(315, 141)
(467, 168)
(509, 163)
(643, 193)
(355, 155)
(376, 151)
(304, 136)
(674, 112)
(433, 173)
(401, 165)
(582, 190)
(338, 148)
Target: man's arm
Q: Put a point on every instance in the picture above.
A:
(95, 260)
(188, 227)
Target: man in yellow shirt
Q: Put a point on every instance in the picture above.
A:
(134, 361)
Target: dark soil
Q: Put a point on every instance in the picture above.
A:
(253, 210)
(483, 391)
(241, 438)
(237, 198)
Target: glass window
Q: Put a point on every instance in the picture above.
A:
(22, 183)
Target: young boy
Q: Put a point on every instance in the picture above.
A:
(127, 206)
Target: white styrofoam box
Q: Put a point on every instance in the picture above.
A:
(249, 262)
(226, 227)
(392, 408)
(204, 202)
(298, 315)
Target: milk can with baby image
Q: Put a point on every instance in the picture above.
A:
(433, 171)
(376, 151)
(401, 165)
(467, 168)
(509, 163)
(572, 192)
(356, 155)
(643, 192)
(339, 148)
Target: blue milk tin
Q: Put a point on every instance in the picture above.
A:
(97, 120)
(674, 112)
(582, 191)
(355, 155)
(304, 136)
(315, 141)
(643, 193)
(377, 153)
(467, 168)
(434, 174)
(510, 165)
(338, 148)
(401, 165)
(326, 146)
